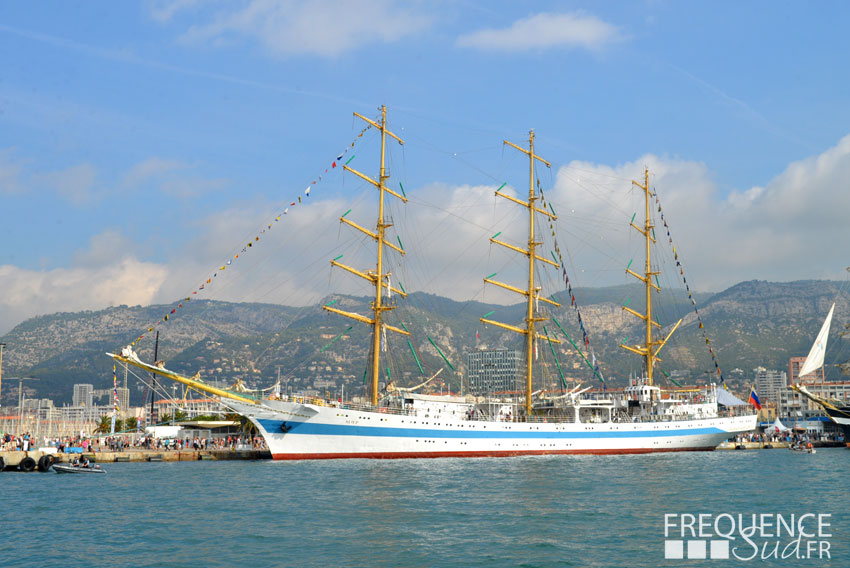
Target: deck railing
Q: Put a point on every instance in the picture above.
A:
(482, 416)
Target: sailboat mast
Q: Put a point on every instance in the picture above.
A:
(153, 378)
(529, 337)
(376, 277)
(532, 292)
(649, 351)
(381, 227)
(647, 230)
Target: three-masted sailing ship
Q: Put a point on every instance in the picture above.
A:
(401, 423)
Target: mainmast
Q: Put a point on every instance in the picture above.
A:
(532, 292)
(649, 351)
(377, 277)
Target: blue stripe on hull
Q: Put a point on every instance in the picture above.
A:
(318, 429)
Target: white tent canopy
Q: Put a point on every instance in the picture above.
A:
(778, 427)
(726, 398)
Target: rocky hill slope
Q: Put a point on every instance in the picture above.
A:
(751, 324)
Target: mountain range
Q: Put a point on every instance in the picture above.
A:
(751, 324)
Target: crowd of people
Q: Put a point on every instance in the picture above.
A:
(11, 442)
(789, 436)
(27, 442)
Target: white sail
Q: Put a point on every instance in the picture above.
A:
(814, 360)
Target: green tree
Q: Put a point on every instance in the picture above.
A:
(105, 425)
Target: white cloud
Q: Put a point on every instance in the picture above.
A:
(786, 230)
(321, 27)
(76, 183)
(27, 293)
(545, 31)
(191, 187)
(288, 264)
(79, 184)
(152, 167)
(171, 177)
(103, 250)
(449, 247)
(107, 272)
(164, 10)
(10, 174)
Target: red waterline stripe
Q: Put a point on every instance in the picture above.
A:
(481, 454)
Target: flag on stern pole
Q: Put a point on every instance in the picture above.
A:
(754, 399)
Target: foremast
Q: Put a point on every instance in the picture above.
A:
(532, 292)
(377, 277)
(649, 350)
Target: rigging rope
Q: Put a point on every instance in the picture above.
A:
(690, 294)
(573, 302)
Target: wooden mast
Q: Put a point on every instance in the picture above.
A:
(376, 277)
(532, 293)
(648, 351)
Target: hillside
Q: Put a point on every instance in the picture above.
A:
(751, 324)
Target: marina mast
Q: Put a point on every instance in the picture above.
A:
(532, 293)
(377, 277)
(649, 351)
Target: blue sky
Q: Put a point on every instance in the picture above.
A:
(142, 143)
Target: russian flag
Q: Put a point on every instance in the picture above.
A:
(754, 399)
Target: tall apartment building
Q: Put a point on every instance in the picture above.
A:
(123, 398)
(83, 395)
(492, 370)
(768, 382)
(794, 364)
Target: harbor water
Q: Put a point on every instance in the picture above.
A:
(529, 511)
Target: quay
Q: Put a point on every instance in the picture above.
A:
(32, 460)
(775, 445)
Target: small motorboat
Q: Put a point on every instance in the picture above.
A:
(68, 468)
(808, 448)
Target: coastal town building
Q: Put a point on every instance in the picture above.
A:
(492, 370)
(191, 407)
(792, 407)
(104, 397)
(768, 382)
(83, 395)
(794, 365)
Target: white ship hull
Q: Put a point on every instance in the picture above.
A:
(296, 431)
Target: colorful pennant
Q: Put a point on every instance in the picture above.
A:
(588, 350)
(701, 326)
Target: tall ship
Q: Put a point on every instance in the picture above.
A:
(402, 423)
(837, 410)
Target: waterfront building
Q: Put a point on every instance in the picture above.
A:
(768, 382)
(104, 397)
(192, 407)
(794, 365)
(792, 407)
(123, 398)
(492, 370)
(83, 395)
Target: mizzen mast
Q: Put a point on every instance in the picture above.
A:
(377, 277)
(532, 293)
(649, 351)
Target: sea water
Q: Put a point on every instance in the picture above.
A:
(527, 511)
